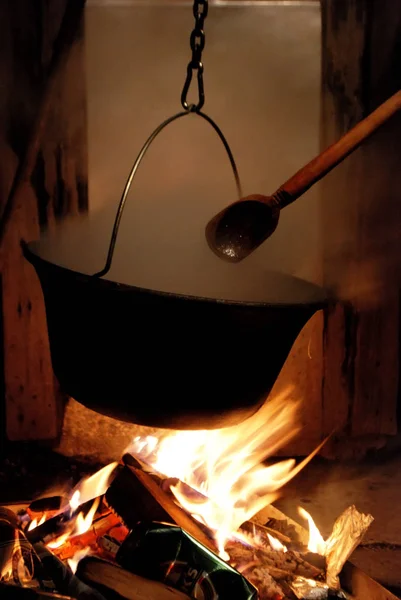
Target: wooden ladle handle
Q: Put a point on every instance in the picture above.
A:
(236, 231)
(317, 168)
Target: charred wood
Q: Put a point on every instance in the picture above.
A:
(48, 504)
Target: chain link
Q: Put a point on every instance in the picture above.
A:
(197, 42)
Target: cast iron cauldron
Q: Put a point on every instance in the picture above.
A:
(164, 359)
(174, 337)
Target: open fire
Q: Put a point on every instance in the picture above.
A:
(212, 485)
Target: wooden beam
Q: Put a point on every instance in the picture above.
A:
(57, 187)
(361, 214)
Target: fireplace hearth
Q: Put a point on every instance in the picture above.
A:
(277, 573)
(308, 72)
(132, 505)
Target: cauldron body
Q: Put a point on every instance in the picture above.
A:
(162, 359)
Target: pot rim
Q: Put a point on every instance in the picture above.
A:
(36, 260)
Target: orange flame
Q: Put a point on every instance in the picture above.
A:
(276, 544)
(224, 465)
(94, 486)
(316, 542)
(36, 523)
(79, 555)
(89, 488)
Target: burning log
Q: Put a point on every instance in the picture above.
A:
(111, 578)
(48, 504)
(177, 514)
(136, 496)
(126, 497)
(63, 523)
(132, 501)
(280, 564)
(51, 528)
(91, 538)
(263, 532)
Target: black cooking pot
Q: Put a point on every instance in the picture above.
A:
(165, 359)
(174, 337)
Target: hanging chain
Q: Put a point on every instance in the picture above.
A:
(197, 41)
(197, 45)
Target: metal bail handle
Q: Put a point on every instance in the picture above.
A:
(135, 167)
(197, 42)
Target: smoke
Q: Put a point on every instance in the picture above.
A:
(262, 83)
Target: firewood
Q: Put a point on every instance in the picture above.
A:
(90, 538)
(165, 484)
(132, 501)
(63, 522)
(264, 581)
(48, 504)
(109, 577)
(281, 565)
(50, 529)
(136, 496)
(263, 530)
(177, 514)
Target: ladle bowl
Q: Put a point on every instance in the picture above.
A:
(169, 360)
(238, 230)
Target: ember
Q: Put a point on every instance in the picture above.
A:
(183, 509)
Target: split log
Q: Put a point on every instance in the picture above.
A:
(179, 516)
(118, 497)
(111, 578)
(132, 501)
(48, 504)
(144, 499)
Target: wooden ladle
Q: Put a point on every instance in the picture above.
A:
(235, 232)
